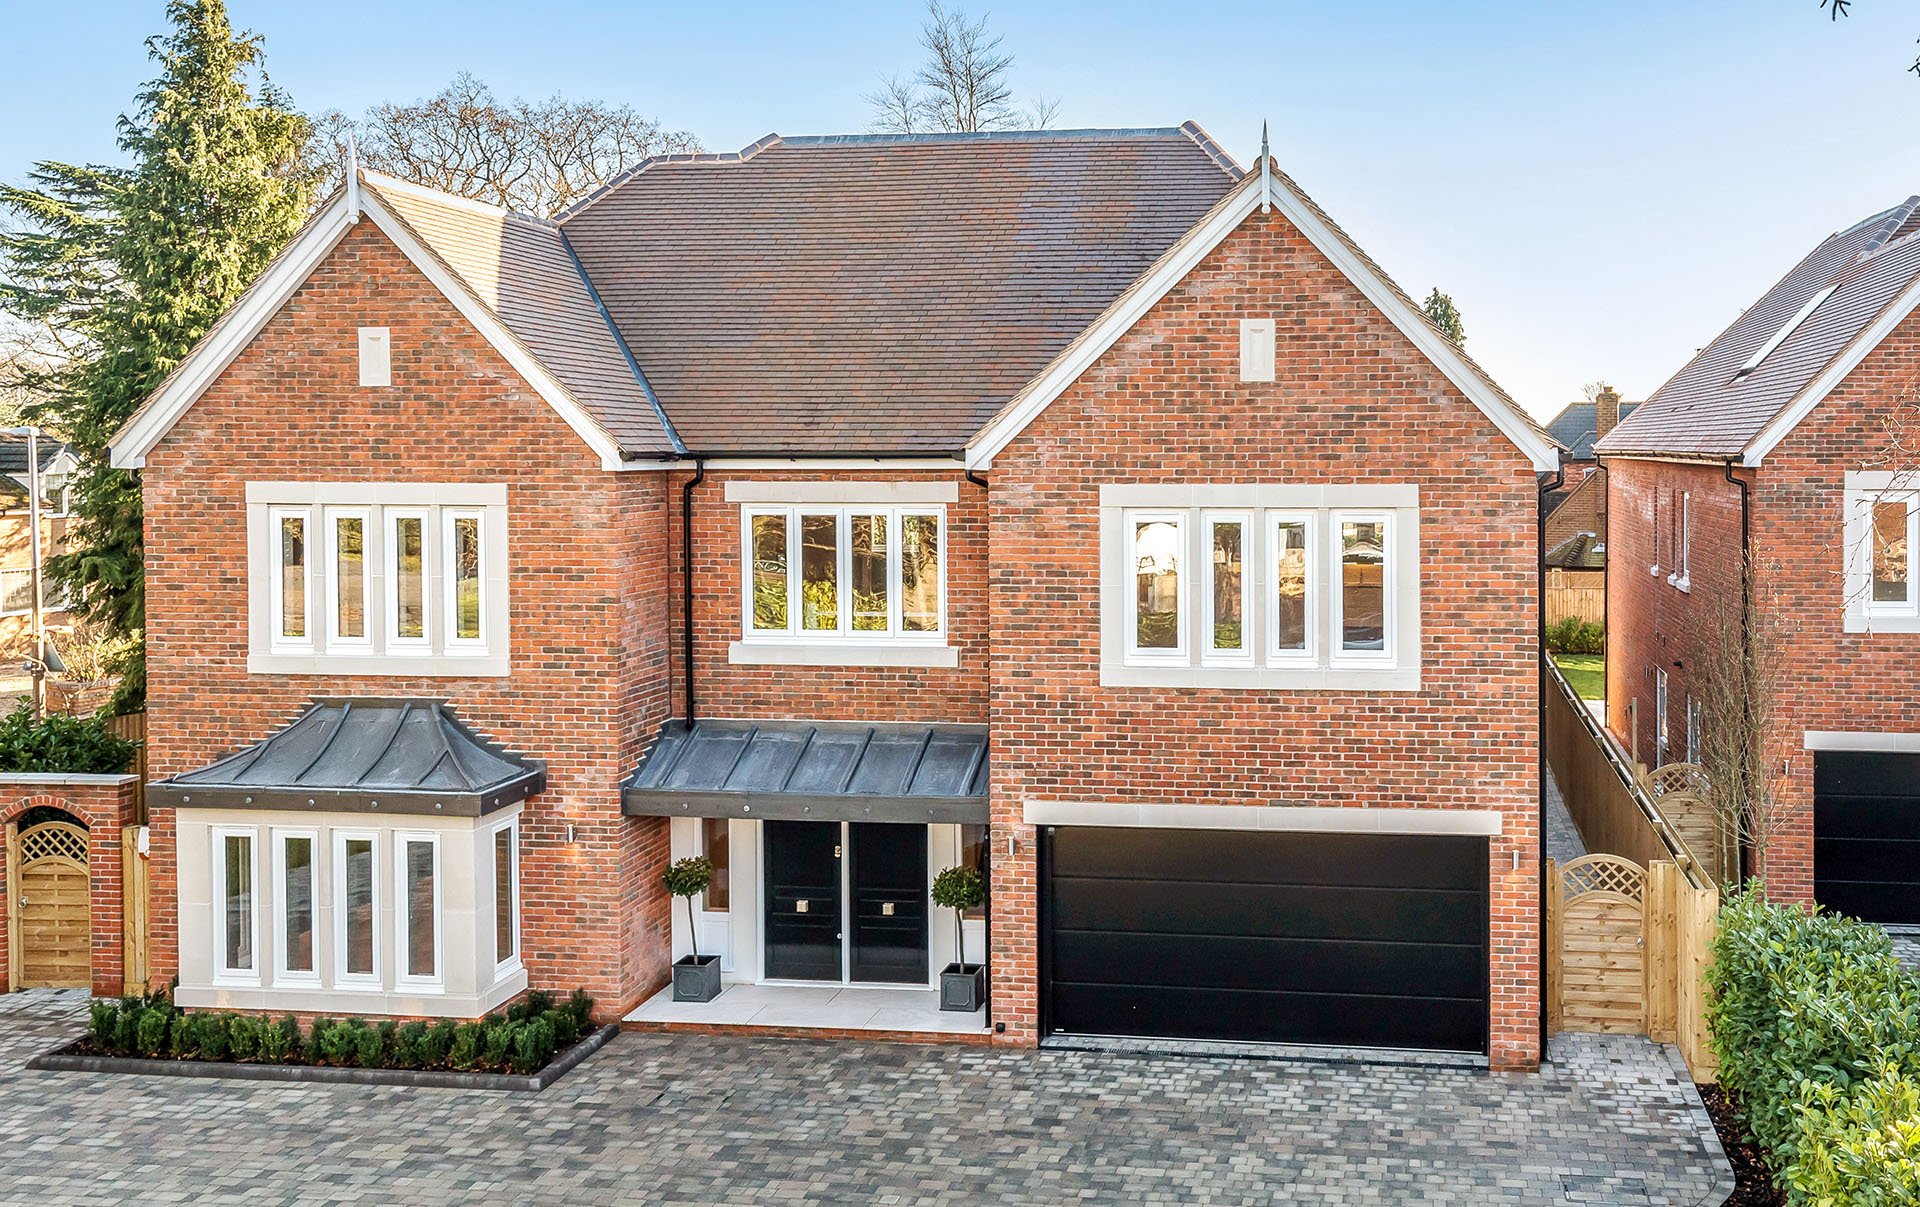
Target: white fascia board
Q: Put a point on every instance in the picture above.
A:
(496, 333)
(1194, 247)
(130, 446)
(1816, 391)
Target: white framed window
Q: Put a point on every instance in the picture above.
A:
(349, 585)
(289, 576)
(416, 913)
(356, 909)
(504, 847)
(1362, 571)
(1293, 589)
(409, 564)
(377, 579)
(847, 573)
(1156, 559)
(236, 946)
(1660, 742)
(296, 861)
(1693, 730)
(1883, 552)
(1227, 593)
(1297, 586)
(1682, 575)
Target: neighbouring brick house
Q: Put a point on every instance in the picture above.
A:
(1783, 438)
(1074, 503)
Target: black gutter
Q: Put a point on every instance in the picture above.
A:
(791, 455)
(1547, 486)
(659, 411)
(1746, 596)
(686, 577)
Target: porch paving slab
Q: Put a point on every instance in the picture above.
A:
(850, 1009)
(697, 1119)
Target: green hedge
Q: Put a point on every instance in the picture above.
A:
(1572, 635)
(1817, 1028)
(520, 1040)
(61, 744)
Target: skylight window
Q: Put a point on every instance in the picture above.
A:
(1780, 336)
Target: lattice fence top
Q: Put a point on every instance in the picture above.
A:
(54, 838)
(1604, 874)
(1679, 777)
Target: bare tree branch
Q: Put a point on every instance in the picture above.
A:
(961, 87)
(895, 105)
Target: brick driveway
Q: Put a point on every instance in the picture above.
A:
(695, 1119)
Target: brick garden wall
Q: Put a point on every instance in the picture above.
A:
(105, 805)
(1352, 402)
(588, 593)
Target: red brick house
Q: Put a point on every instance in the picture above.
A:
(1781, 446)
(1075, 503)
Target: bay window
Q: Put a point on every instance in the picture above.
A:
(1297, 586)
(350, 578)
(237, 927)
(356, 919)
(506, 896)
(293, 870)
(417, 909)
(843, 573)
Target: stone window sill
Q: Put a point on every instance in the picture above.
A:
(847, 653)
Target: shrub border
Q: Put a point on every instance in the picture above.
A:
(65, 1059)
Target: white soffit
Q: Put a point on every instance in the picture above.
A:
(1185, 255)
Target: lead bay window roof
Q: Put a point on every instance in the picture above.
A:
(363, 755)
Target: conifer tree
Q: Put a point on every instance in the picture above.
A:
(135, 263)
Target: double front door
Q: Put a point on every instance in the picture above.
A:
(846, 901)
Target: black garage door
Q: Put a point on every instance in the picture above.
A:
(1866, 834)
(1287, 938)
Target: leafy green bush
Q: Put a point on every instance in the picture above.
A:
(409, 1046)
(150, 1035)
(56, 743)
(533, 1045)
(1817, 1028)
(498, 1042)
(467, 1041)
(243, 1037)
(1571, 635)
(560, 1022)
(103, 1023)
(581, 1006)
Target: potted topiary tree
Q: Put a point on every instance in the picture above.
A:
(963, 986)
(696, 978)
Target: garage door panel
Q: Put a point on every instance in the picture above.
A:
(1873, 817)
(1297, 965)
(1252, 909)
(1388, 861)
(1362, 940)
(1273, 1017)
(1866, 834)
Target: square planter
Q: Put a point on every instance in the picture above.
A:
(963, 987)
(696, 979)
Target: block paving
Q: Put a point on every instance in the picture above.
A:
(678, 1119)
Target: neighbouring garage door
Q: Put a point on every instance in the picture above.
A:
(1866, 834)
(1376, 941)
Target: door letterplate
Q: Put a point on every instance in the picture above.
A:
(800, 906)
(886, 909)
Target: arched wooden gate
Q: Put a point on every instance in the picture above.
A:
(53, 909)
(1597, 950)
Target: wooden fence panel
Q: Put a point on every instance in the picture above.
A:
(1696, 920)
(135, 910)
(1580, 594)
(1662, 948)
(133, 727)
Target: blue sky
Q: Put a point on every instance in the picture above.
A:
(1600, 186)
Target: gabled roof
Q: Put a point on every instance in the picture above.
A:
(1575, 425)
(511, 276)
(1581, 551)
(879, 293)
(1864, 280)
(1269, 186)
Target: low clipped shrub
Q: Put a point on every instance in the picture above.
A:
(1572, 635)
(1817, 1028)
(63, 744)
(519, 1040)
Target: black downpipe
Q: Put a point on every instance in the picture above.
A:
(1547, 487)
(686, 578)
(1746, 602)
(977, 480)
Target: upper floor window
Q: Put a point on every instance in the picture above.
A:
(356, 578)
(1261, 586)
(1883, 552)
(854, 573)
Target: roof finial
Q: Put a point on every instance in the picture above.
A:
(353, 179)
(1266, 180)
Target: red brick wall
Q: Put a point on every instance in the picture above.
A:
(1834, 680)
(1650, 622)
(721, 689)
(1353, 401)
(589, 593)
(105, 808)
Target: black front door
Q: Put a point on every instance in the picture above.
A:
(803, 900)
(888, 879)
